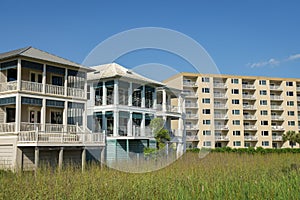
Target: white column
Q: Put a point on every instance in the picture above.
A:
(18, 113)
(104, 98)
(164, 100)
(65, 116)
(43, 114)
(143, 96)
(116, 92)
(180, 127)
(129, 125)
(60, 158)
(84, 115)
(116, 123)
(103, 122)
(19, 75)
(66, 82)
(130, 94)
(179, 104)
(154, 99)
(83, 159)
(36, 157)
(143, 125)
(85, 87)
(44, 78)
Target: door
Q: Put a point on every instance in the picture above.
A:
(34, 116)
(10, 115)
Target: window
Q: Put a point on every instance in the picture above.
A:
(264, 123)
(206, 121)
(206, 111)
(237, 143)
(291, 113)
(291, 123)
(235, 81)
(12, 74)
(290, 103)
(10, 115)
(88, 93)
(205, 79)
(236, 122)
(235, 112)
(56, 117)
(265, 133)
(235, 91)
(205, 100)
(207, 143)
(236, 133)
(265, 143)
(263, 112)
(262, 82)
(289, 93)
(235, 101)
(205, 90)
(263, 92)
(57, 80)
(206, 132)
(263, 102)
(289, 83)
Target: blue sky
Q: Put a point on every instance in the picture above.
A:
(242, 37)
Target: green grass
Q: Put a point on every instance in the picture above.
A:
(217, 176)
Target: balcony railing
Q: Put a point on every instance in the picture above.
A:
(278, 128)
(8, 86)
(277, 137)
(298, 98)
(249, 107)
(7, 128)
(191, 116)
(219, 85)
(31, 86)
(192, 138)
(220, 106)
(298, 88)
(189, 83)
(275, 87)
(220, 95)
(55, 89)
(276, 97)
(248, 96)
(221, 127)
(221, 138)
(76, 92)
(191, 127)
(190, 94)
(248, 86)
(249, 117)
(220, 116)
(276, 117)
(250, 127)
(191, 105)
(250, 138)
(273, 107)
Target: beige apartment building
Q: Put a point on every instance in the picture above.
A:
(238, 111)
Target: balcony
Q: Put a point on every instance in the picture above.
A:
(220, 116)
(191, 127)
(276, 118)
(220, 85)
(248, 96)
(248, 86)
(249, 107)
(298, 98)
(250, 138)
(221, 138)
(220, 96)
(298, 88)
(278, 128)
(220, 106)
(276, 98)
(250, 127)
(190, 94)
(221, 127)
(191, 138)
(8, 86)
(189, 84)
(191, 105)
(277, 138)
(275, 87)
(249, 117)
(191, 116)
(274, 107)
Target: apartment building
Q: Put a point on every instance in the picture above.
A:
(122, 103)
(43, 111)
(238, 111)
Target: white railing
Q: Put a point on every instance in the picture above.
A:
(136, 131)
(8, 86)
(298, 88)
(275, 87)
(277, 137)
(250, 117)
(191, 116)
(171, 108)
(191, 126)
(187, 83)
(7, 127)
(298, 98)
(54, 128)
(275, 117)
(26, 126)
(220, 116)
(248, 86)
(76, 92)
(190, 94)
(192, 138)
(277, 128)
(31, 86)
(191, 105)
(55, 89)
(221, 138)
(250, 137)
(221, 127)
(219, 95)
(276, 97)
(248, 96)
(250, 127)
(250, 107)
(223, 106)
(276, 107)
(219, 85)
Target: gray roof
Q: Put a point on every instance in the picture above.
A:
(41, 55)
(115, 70)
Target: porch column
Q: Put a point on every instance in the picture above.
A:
(44, 78)
(104, 93)
(60, 157)
(116, 92)
(83, 158)
(179, 104)
(143, 97)
(129, 125)
(18, 113)
(143, 125)
(154, 99)
(102, 159)
(180, 127)
(130, 94)
(164, 100)
(19, 75)
(84, 115)
(65, 116)
(36, 157)
(66, 82)
(43, 115)
(85, 87)
(104, 122)
(116, 123)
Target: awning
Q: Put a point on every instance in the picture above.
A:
(32, 65)
(137, 116)
(55, 70)
(7, 101)
(76, 73)
(8, 65)
(31, 101)
(124, 115)
(55, 104)
(75, 105)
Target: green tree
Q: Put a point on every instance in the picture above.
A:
(291, 136)
(160, 133)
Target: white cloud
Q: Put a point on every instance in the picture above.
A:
(294, 57)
